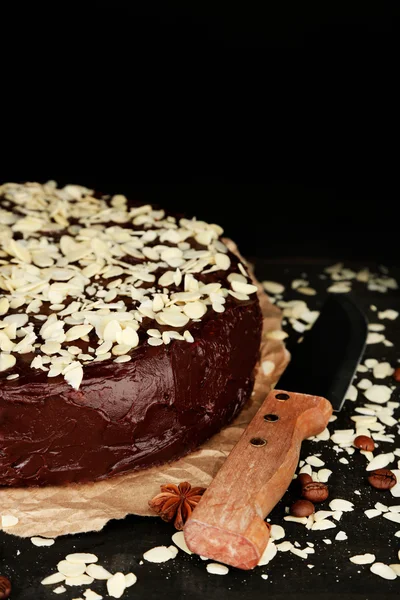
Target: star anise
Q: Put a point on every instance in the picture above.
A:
(176, 502)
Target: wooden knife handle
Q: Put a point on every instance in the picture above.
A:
(228, 523)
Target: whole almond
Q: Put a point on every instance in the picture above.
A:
(315, 492)
(363, 442)
(302, 508)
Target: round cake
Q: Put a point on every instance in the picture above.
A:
(128, 335)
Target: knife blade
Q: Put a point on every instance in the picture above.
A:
(228, 523)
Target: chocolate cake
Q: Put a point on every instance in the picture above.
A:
(128, 336)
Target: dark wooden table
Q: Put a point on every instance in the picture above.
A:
(120, 546)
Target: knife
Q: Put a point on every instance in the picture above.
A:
(228, 523)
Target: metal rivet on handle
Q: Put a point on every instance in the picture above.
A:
(258, 442)
(271, 418)
(282, 396)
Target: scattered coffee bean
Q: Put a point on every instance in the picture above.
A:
(302, 508)
(396, 374)
(304, 478)
(315, 492)
(5, 588)
(382, 479)
(363, 442)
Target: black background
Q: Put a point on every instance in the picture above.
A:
(278, 122)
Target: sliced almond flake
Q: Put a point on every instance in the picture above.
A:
(382, 370)
(7, 361)
(81, 558)
(8, 521)
(342, 505)
(277, 532)
(314, 461)
(179, 540)
(51, 579)
(277, 334)
(301, 520)
(322, 515)
(98, 572)
(362, 369)
(375, 338)
(352, 393)
(39, 541)
(159, 554)
(307, 291)
(298, 552)
(60, 589)
(217, 569)
(362, 559)
(392, 516)
(364, 384)
(323, 475)
(341, 536)
(380, 394)
(372, 513)
(396, 569)
(188, 337)
(343, 287)
(395, 490)
(337, 515)
(123, 358)
(74, 376)
(243, 288)
(152, 341)
(272, 287)
(268, 554)
(322, 525)
(79, 580)
(70, 569)
(381, 461)
(195, 310)
(383, 571)
(388, 314)
(284, 546)
(130, 579)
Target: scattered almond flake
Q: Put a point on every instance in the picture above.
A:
(314, 461)
(392, 516)
(387, 343)
(352, 393)
(97, 572)
(284, 546)
(188, 336)
(74, 376)
(130, 579)
(272, 287)
(91, 595)
(217, 569)
(268, 367)
(179, 540)
(13, 376)
(7, 361)
(388, 314)
(382, 370)
(116, 585)
(323, 524)
(277, 334)
(364, 384)
(344, 461)
(323, 475)
(327, 541)
(55, 578)
(81, 558)
(307, 291)
(298, 552)
(39, 541)
(79, 580)
(323, 436)
(71, 569)
(243, 288)
(383, 571)
(277, 532)
(375, 338)
(376, 327)
(264, 576)
(380, 394)
(322, 514)
(296, 283)
(306, 469)
(301, 520)
(396, 569)
(8, 521)
(381, 461)
(123, 358)
(368, 455)
(382, 507)
(362, 559)
(395, 508)
(59, 590)
(343, 287)
(342, 505)
(160, 554)
(395, 490)
(268, 554)
(152, 341)
(341, 536)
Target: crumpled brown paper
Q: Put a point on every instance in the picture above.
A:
(53, 511)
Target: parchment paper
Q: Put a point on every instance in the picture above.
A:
(53, 511)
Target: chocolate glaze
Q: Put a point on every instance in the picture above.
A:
(161, 405)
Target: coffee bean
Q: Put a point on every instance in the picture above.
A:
(302, 508)
(303, 479)
(5, 587)
(363, 442)
(396, 374)
(315, 492)
(382, 479)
